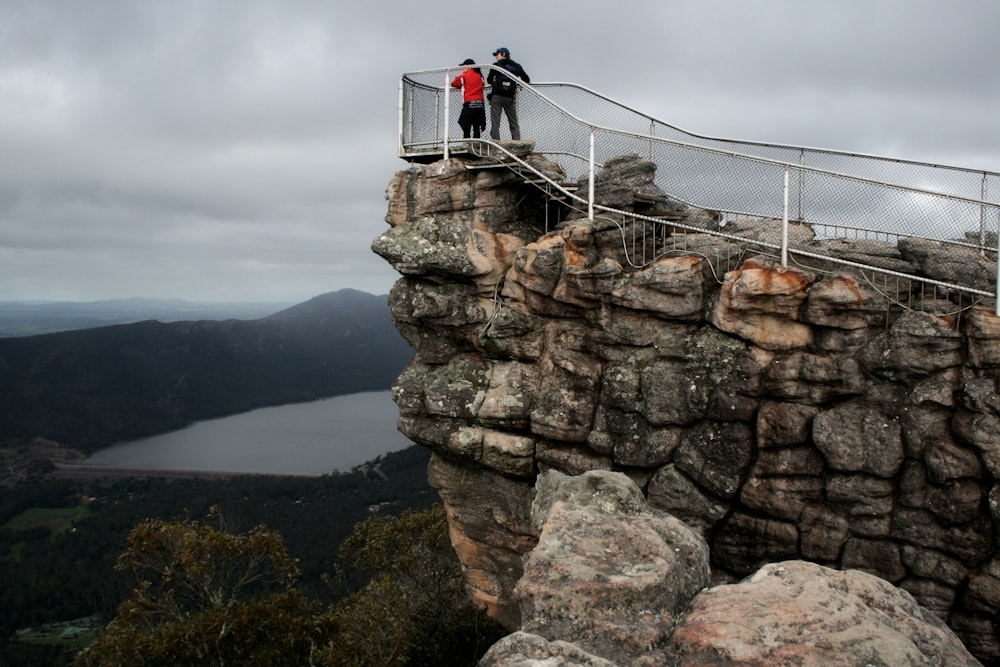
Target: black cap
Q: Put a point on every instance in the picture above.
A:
(503, 49)
(468, 61)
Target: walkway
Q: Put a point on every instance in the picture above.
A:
(872, 201)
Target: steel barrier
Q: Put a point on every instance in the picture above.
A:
(874, 201)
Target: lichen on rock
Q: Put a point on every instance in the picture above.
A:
(781, 413)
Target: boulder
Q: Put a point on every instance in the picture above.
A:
(609, 573)
(799, 613)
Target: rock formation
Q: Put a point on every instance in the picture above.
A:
(615, 582)
(782, 413)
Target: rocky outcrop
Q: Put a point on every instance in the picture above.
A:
(613, 581)
(799, 613)
(783, 413)
(609, 574)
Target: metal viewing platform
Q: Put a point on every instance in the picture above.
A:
(873, 202)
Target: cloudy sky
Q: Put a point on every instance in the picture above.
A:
(238, 150)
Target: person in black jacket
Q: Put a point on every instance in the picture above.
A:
(503, 90)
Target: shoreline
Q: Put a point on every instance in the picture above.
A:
(88, 472)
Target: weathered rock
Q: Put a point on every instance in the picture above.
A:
(781, 497)
(935, 597)
(797, 613)
(782, 424)
(630, 441)
(745, 542)
(674, 492)
(665, 407)
(609, 573)
(933, 565)
(671, 287)
(876, 557)
(917, 345)
(441, 246)
(928, 438)
(980, 431)
(762, 304)
(882, 254)
(569, 459)
(523, 649)
(855, 437)
(564, 408)
(968, 543)
(984, 338)
(842, 303)
(984, 588)
(539, 265)
(610, 492)
(507, 400)
(716, 455)
(792, 461)
(812, 378)
(980, 395)
(860, 495)
(823, 534)
(781, 413)
(626, 182)
(489, 523)
(426, 313)
(769, 231)
(949, 263)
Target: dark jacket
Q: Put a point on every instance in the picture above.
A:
(496, 79)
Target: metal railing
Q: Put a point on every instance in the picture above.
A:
(873, 201)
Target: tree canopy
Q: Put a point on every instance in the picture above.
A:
(204, 595)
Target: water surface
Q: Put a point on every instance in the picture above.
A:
(297, 439)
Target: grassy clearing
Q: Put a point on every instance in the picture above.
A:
(57, 519)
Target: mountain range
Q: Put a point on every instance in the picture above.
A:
(88, 388)
(30, 318)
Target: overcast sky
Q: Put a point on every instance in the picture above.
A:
(239, 150)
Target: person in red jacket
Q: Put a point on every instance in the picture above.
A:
(472, 120)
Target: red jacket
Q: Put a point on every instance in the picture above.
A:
(472, 89)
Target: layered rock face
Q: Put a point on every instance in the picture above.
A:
(783, 414)
(616, 582)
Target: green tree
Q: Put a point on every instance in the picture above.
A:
(204, 596)
(414, 611)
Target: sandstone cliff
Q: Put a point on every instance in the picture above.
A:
(782, 413)
(613, 581)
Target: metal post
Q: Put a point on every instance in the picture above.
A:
(784, 226)
(996, 293)
(408, 105)
(437, 113)
(447, 108)
(982, 217)
(400, 110)
(652, 133)
(590, 203)
(802, 181)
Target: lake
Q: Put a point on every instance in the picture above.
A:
(297, 439)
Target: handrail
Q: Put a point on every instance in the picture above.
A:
(761, 144)
(832, 190)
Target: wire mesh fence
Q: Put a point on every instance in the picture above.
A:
(869, 200)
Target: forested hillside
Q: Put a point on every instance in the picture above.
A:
(59, 539)
(86, 389)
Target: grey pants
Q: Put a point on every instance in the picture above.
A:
(509, 107)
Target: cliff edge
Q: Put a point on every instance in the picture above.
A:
(783, 414)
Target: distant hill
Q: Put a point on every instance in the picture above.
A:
(19, 318)
(89, 388)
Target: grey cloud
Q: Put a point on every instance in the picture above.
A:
(214, 149)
